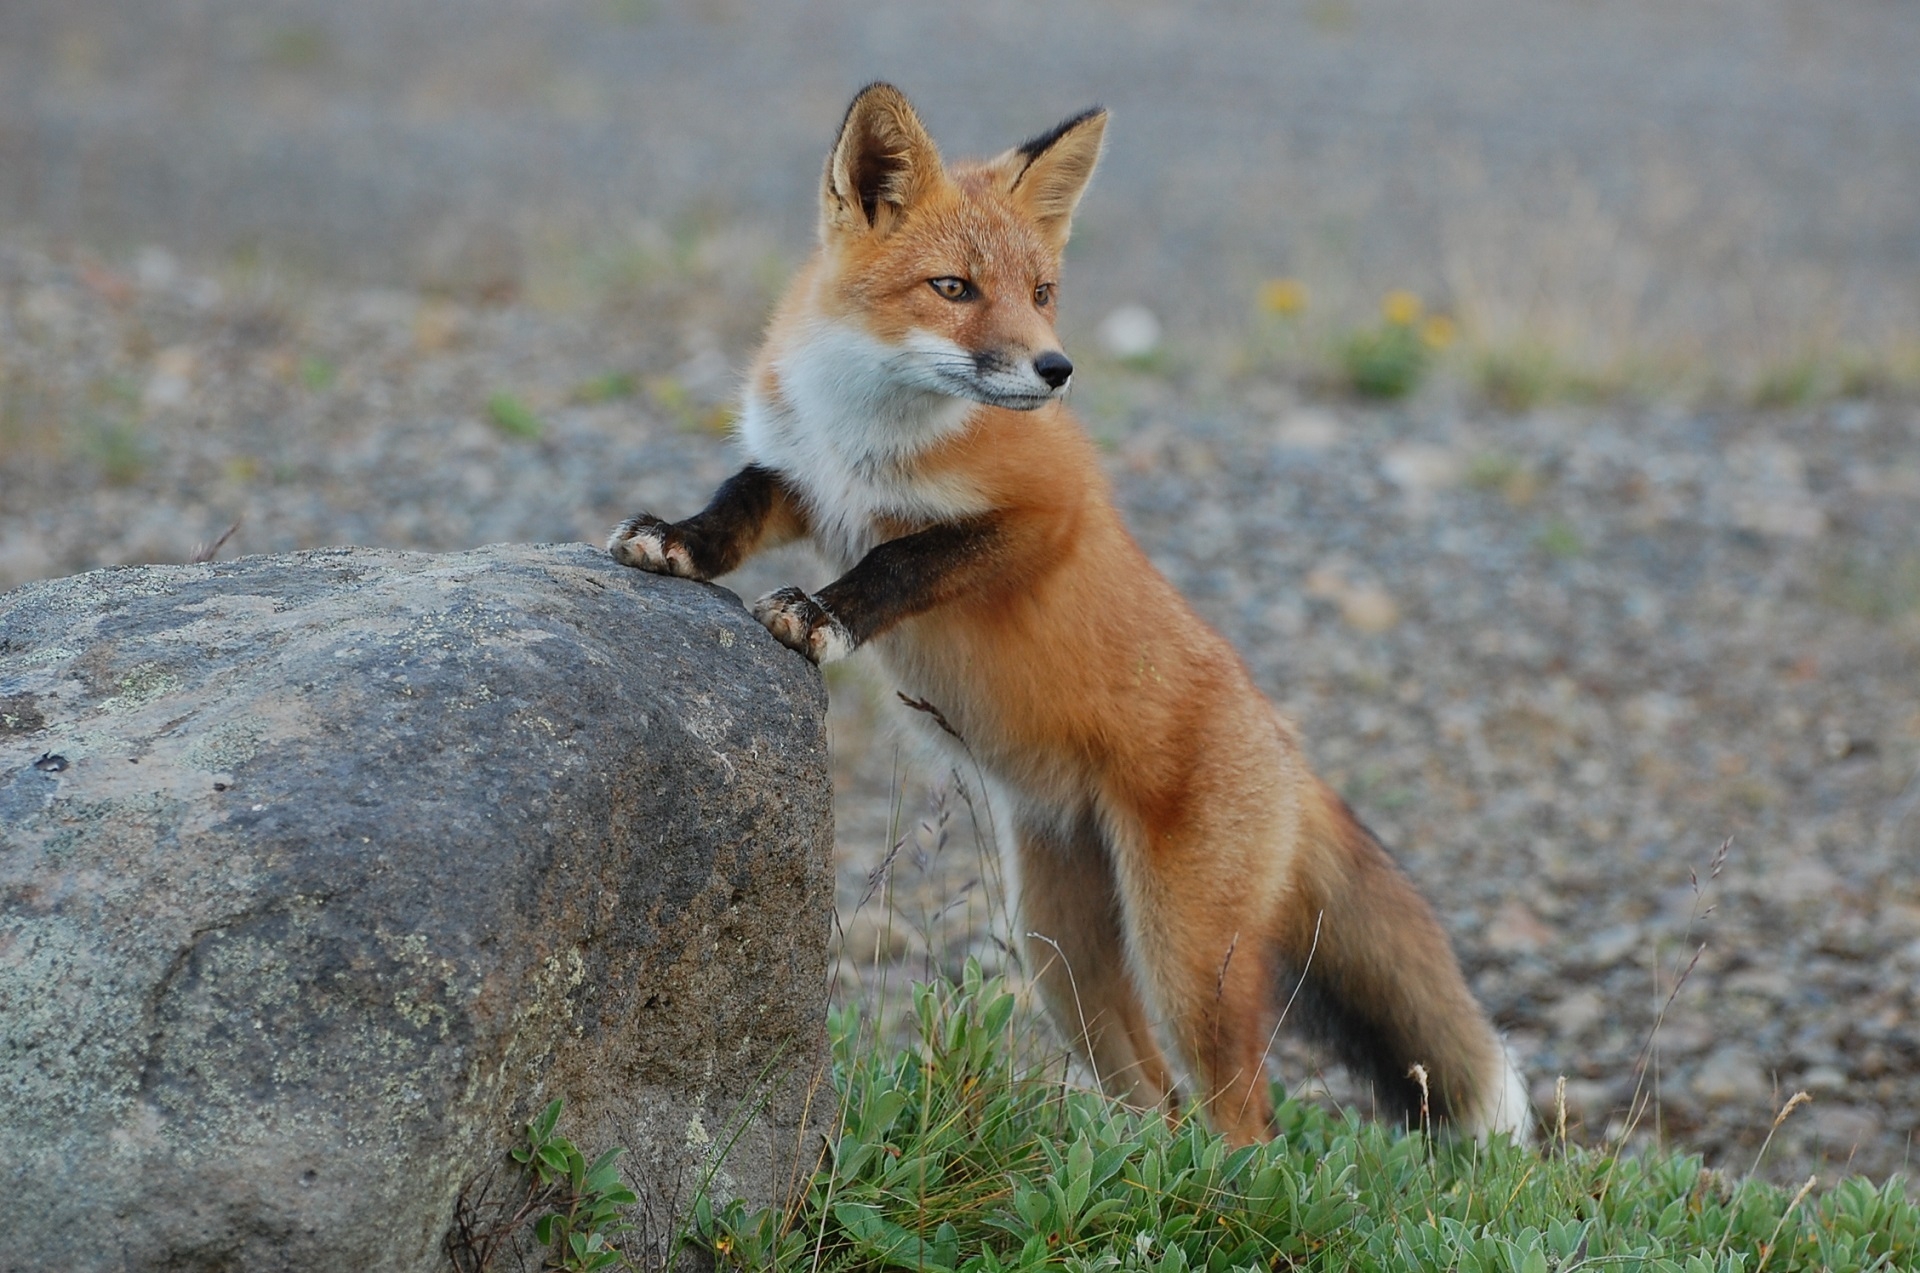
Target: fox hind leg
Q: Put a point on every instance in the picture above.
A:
(1204, 944)
(1075, 945)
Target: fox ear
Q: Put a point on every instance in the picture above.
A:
(882, 162)
(1047, 175)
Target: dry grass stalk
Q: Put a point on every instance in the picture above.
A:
(204, 552)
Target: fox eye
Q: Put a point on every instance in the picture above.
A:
(1043, 295)
(953, 289)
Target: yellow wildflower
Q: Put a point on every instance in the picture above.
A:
(1438, 332)
(1287, 296)
(1401, 308)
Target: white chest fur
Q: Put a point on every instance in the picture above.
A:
(851, 416)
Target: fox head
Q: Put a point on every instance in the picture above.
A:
(954, 272)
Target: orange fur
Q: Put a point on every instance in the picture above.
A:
(1182, 869)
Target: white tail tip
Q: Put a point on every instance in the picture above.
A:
(1506, 1108)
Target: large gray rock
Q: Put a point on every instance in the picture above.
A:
(320, 873)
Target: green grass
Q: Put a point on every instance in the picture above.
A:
(116, 448)
(317, 373)
(1791, 384)
(607, 388)
(1559, 539)
(1519, 377)
(690, 414)
(514, 418)
(1515, 368)
(957, 1156)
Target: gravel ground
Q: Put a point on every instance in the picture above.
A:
(1558, 659)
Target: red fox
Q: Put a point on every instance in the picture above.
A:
(1183, 873)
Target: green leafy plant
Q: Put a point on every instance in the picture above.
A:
(1389, 359)
(117, 447)
(1386, 361)
(576, 1208)
(583, 1200)
(955, 1156)
(1559, 539)
(513, 417)
(316, 373)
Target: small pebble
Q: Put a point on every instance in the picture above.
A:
(1132, 331)
(1824, 1080)
(1610, 945)
(1308, 429)
(1579, 1012)
(1516, 930)
(1729, 1075)
(1842, 1127)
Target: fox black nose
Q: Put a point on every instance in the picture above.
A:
(1053, 368)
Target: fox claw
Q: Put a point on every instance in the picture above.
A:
(648, 543)
(800, 623)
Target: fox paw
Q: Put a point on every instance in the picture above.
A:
(647, 543)
(799, 622)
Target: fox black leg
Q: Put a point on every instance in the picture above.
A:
(752, 509)
(897, 580)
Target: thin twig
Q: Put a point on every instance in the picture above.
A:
(1299, 983)
(204, 552)
(1794, 1102)
(1636, 1106)
(1766, 1252)
(1086, 1031)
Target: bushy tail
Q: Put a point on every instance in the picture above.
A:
(1373, 975)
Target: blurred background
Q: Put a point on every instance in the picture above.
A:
(1631, 180)
(1531, 390)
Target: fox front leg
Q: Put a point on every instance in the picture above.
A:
(801, 623)
(897, 580)
(752, 510)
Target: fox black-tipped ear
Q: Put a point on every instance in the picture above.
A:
(882, 162)
(1047, 174)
